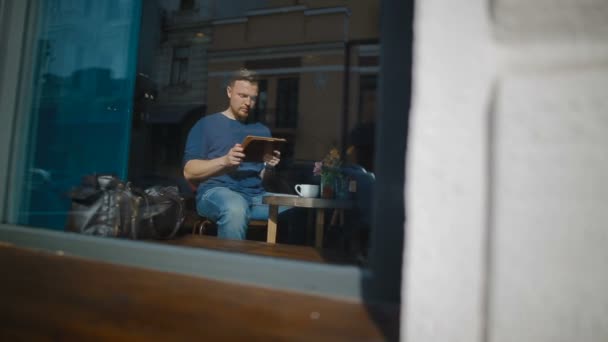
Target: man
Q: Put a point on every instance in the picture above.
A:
(229, 189)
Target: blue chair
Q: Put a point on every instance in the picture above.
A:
(355, 229)
(364, 190)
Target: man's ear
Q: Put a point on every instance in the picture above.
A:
(229, 91)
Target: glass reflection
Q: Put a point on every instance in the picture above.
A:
(80, 114)
(117, 92)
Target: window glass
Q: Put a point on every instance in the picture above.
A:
(186, 5)
(261, 107)
(179, 67)
(117, 92)
(318, 64)
(80, 111)
(287, 102)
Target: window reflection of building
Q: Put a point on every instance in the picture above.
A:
(300, 51)
(112, 9)
(368, 87)
(81, 102)
(259, 113)
(287, 102)
(179, 66)
(186, 5)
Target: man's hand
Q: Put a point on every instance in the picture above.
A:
(234, 157)
(273, 159)
(270, 161)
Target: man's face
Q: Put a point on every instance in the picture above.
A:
(242, 95)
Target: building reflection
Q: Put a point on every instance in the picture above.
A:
(301, 50)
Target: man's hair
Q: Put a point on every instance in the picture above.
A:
(243, 75)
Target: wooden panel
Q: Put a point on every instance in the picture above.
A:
(46, 296)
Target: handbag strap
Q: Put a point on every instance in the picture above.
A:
(180, 212)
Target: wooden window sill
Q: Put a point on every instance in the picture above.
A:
(45, 295)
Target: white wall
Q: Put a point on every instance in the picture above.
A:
(507, 198)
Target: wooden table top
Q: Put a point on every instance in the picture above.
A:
(307, 202)
(46, 296)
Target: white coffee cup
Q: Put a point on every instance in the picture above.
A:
(307, 190)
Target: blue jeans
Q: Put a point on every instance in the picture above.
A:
(231, 211)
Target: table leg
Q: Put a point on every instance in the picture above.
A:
(334, 217)
(320, 222)
(273, 215)
(309, 227)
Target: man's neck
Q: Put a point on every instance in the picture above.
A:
(228, 113)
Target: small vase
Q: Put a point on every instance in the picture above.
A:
(328, 188)
(342, 188)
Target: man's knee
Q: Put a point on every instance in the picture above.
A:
(229, 209)
(235, 212)
(219, 202)
(232, 223)
(233, 218)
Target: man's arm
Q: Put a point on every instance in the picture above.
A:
(199, 170)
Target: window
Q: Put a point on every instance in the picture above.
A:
(186, 5)
(88, 4)
(64, 133)
(260, 110)
(179, 67)
(70, 5)
(113, 9)
(362, 137)
(77, 118)
(54, 6)
(287, 103)
(368, 88)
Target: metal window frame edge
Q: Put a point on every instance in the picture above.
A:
(15, 45)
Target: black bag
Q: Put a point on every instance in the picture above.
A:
(105, 206)
(162, 212)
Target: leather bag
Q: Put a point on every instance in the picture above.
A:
(106, 206)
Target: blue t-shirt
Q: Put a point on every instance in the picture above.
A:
(212, 137)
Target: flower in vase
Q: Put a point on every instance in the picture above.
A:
(330, 164)
(329, 170)
(317, 169)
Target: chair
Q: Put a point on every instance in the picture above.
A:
(204, 226)
(354, 232)
(364, 195)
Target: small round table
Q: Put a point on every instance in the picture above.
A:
(320, 204)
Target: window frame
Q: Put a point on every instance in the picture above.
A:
(379, 281)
